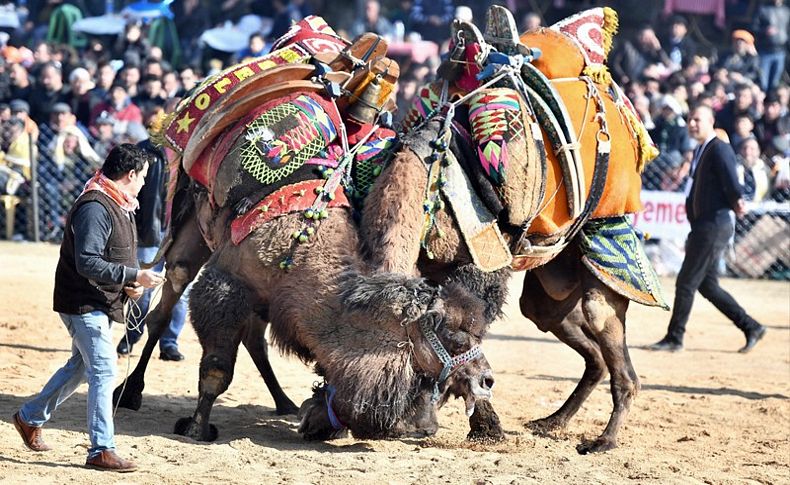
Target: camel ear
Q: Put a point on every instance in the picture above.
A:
(396, 295)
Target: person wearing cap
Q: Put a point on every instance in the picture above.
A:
(742, 61)
(713, 193)
(771, 25)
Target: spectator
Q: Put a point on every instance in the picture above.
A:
(431, 19)
(105, 137)
(672, 140)
(129, 76)
(772, 124)
(256, 47)
(21, 109)
(287, 13)
(78, 97)
(133, 46)
(754, 174)
(170, 84)
(50, 91)
(743, 103)
(743, 129)
(120, 106)
(531, 21)
(152, 93)
(680, 47)
(21, 86)
(189, 79)
(770, 27)
(742, 62)
(105, 75)
(632, 59)
(372, 21)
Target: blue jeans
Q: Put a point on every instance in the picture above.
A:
(92, 358)
(772, 65)
(137, 320)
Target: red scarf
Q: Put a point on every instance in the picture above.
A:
(109, 188)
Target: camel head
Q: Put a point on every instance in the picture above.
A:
(397, 333)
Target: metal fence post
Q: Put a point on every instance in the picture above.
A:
(34, 188)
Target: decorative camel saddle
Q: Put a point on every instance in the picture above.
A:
(561, 146)
(294, 116)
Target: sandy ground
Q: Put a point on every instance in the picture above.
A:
(707, 414)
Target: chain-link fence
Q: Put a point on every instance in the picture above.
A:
(60, 161)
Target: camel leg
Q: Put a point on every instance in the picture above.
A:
(255, 342)
(571, 334)
(183, 260)
(605, 313)
(219, 305)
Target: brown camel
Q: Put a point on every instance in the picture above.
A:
(562, 296)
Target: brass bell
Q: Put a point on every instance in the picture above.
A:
(367, 106)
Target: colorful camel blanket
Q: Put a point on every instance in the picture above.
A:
(613, 252)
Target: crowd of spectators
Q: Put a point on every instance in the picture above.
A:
(76, 99)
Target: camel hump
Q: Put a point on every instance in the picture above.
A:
(576, 45)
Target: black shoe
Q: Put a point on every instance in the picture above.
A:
(752, 337)
(125, 347)
(171, 353)
(666, 344)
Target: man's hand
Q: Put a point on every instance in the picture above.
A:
(148, 278)
(134, 290)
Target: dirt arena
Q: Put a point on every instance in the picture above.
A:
(707, 414)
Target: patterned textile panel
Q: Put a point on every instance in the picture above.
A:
(614, 253)
(271, 147)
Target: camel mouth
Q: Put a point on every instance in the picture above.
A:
(477, 393)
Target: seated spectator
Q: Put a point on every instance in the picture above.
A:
(170, 84)
(105, 137)
(372, 21)
(672, 140)
(774, 123)
(78, 98)
(151, 94)
(21, 109)
(21, 84)
(742, 130)
(743, 103)
(742, 61)
(49, 91)
(633, 58)
(754, 173)
(680, 47)
(256, 47)
(189, 79)
(120, 106)
(15, 146)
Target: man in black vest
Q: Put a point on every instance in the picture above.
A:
(96, 273)
(713, 193)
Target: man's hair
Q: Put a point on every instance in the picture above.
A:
(123, 158)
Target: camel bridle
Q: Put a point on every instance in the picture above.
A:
(449, 364)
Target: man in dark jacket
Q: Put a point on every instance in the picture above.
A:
(150, 220)
(96, 272)
(714, 193)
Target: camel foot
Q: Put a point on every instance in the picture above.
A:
(545, 426)
(189, 428)
(286, 408)
(598, 445)
(130, 399)
(315, 425)
(484, 424)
